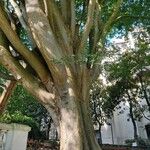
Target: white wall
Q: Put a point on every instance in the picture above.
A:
(107, 134)
(123, 129)
(16, 136)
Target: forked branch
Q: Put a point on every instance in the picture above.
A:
(111, 19)
(22, 21)
(33, 60)
(30, 83)
(88, 24)
(55, 18)
(46, 40)
(25, 78)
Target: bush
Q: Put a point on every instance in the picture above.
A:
(129, 142)
(140, 142)
(143, 142)
(18, 117)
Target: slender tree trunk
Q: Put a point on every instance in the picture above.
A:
(145, 93)
(98, 121)
(134, 124)
(132, 118)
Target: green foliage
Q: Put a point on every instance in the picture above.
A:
(2, 81)
(24, 37)
(130, 63)
(101, 105)
(140, 141)
(24, 109)
(17, 117)
(132, 14)
(129, 142)
(128, 73)
(21, 100)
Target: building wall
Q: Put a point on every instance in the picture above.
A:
(13, 136)
(107, 135)
(122, 128)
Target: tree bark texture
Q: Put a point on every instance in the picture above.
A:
(61, 86)
(76, 132)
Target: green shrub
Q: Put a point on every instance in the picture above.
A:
(18, 117)
(129, 142)
(140, 142)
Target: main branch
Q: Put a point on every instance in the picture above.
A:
(18, 45)
(22, 21)
(88, 24)
(45, 39)
(29, 82)
(111, 19)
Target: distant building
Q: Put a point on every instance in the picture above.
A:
(121, 129)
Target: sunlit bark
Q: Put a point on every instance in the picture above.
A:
(63, 88)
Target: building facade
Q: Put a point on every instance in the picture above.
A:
(120, 128)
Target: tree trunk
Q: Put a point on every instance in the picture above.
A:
(134, 124)
(76, 128)
(132, 118)
(100, 133)
(144, 92)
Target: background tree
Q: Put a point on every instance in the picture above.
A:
(96, 104)
(126, 87)
(59, 67)
(102, 105)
